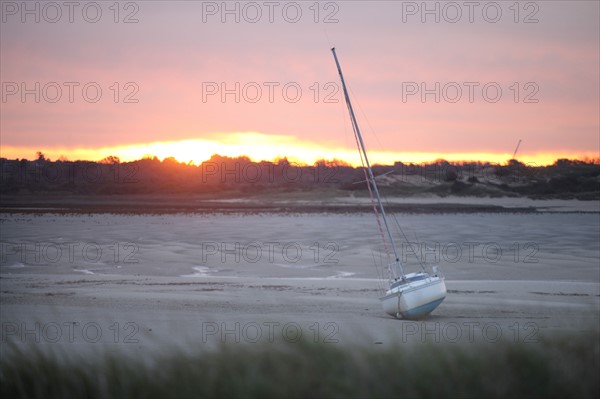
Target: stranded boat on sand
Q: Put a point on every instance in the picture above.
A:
(412, 295)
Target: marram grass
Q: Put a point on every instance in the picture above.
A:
(554, 368)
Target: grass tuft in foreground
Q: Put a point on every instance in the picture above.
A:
(559, 367)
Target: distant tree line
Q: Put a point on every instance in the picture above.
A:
(240, 176)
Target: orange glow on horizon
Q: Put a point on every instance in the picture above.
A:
(262, 147)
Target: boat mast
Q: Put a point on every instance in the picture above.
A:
(370, 171)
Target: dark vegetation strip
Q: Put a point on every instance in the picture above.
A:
(217, 207)
(561, 367)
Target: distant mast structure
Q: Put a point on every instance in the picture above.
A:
(514, 157)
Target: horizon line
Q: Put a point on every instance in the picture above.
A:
(258, 146)
(333, 162)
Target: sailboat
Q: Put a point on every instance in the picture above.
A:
(411, 295)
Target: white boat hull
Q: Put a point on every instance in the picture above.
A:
(414, 299)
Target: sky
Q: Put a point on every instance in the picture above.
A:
(428, 80)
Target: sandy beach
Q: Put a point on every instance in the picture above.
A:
(150, 282)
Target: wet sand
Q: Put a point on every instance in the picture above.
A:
(144, 283)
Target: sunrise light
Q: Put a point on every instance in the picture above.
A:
(266, 147)
(455, 90)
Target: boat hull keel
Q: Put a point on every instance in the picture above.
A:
(415, 300)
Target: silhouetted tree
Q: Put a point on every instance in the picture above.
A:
(110, 160)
